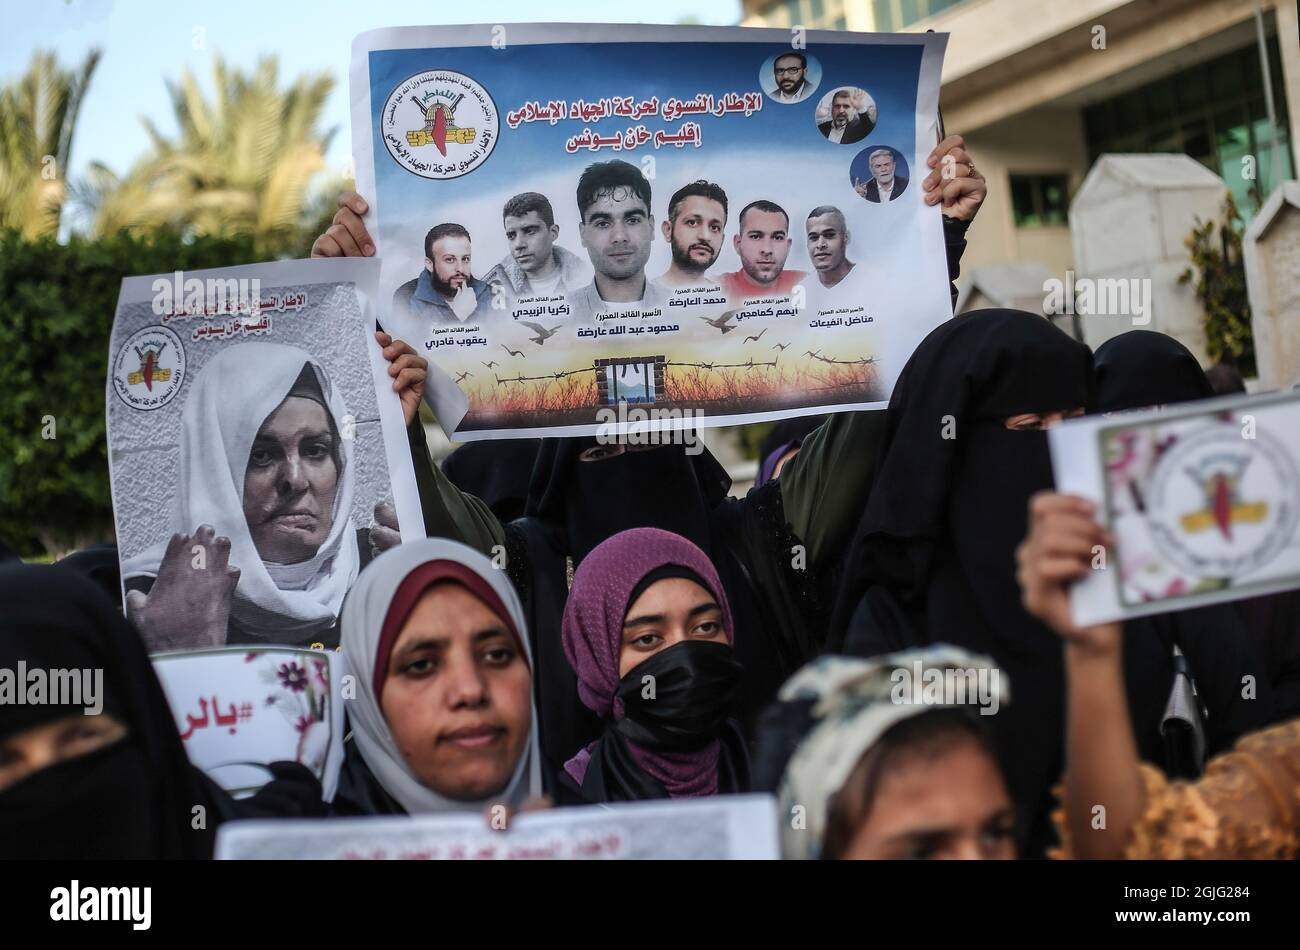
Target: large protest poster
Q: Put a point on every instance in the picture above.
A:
(531, 195)
(1202, 502)
(257, 451)
(719, 827)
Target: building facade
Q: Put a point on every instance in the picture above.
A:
(1040, 88)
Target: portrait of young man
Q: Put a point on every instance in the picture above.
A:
(617, 229)
(697, 218)
(763, 243)
(828, 244)
(535, 266)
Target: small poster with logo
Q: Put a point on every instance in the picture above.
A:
(238, 710)
(594, 229)
(1203, 502)
(257, 451)
(740, 827)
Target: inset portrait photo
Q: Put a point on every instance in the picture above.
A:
(846, 115)
(790, 76)
(879, 174)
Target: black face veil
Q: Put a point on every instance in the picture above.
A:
(660, 487)
(935, 549)
(948, 457)
(131, 799)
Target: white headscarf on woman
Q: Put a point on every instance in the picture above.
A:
(364, 613)
(228, 401)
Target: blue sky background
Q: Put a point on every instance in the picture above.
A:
(145, 41)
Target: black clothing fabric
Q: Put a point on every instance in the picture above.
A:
(613, 775)
(933, 560)
(1260, 636)
(855, 131)
(695, 688)
(359, 792)
(498, 472)
(660, 487)
(99, 563)
(131, 799)
(873, 189)
(1141, 368)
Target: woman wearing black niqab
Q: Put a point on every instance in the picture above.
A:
(934, 557)
(1258, 637)
(133, 792)
(115, 784)
(1141, 368)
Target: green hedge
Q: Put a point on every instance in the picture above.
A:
(58, 307)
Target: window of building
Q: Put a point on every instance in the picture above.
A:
(810, 14)
(1213, 112)
(893, 15)
(1040, 200)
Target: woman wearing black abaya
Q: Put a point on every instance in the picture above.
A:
(115, 783)
(934, 557)
(112, 785)
(933, 560)
(1258, 637)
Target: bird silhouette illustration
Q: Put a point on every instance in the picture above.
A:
(543, 334)
(758, 337)
(815, 356)
(463, 376)
(513, 352)
(720, 323)
(780, 346)
(490, 363)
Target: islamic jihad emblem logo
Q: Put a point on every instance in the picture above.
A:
(1220, 503)
(149, 368)
(440, 124)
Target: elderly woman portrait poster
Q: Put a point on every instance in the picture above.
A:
(281, 489)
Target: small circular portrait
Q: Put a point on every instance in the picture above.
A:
(846, 115)
(879, 174)
(790, 76)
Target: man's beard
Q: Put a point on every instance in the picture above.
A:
(789, 85)
(447, 290)
(682, 258)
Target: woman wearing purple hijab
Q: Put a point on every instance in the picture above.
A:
(648, 630)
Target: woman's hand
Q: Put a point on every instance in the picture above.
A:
(189, 605)
(347, 235)
(1063, 539)
(385, 532)
(408, 370)
(954, 180)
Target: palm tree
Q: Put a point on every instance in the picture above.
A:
(38, 115)
(242, 161)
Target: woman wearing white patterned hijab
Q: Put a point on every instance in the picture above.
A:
(886, 758)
